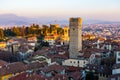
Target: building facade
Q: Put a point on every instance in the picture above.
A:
(75, 62)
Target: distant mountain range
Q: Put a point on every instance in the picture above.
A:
(12, 19)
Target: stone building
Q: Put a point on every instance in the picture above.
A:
(75, 37)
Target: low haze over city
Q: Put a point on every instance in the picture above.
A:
(59, 40)
(47, 11)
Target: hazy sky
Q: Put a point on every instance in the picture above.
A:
(88, 9)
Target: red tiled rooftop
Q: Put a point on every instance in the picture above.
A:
(117, 49)
(3, 63)
(63, 56)
(54, 67)
(87, 55)
(76, 75)
(18, 67)
(28, 76)
(12, 68)
(72, 68)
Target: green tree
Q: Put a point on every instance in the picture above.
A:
(9, 32)
(16, 31)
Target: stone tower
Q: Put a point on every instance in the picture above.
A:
(75, 45)
(66, 33)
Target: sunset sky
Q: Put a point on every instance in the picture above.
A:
(89, 9)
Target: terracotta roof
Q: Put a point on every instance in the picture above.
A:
(63, 56)
(59, 77)
(117, 49)
(87, 55)
(3, 63)
(10, 41)
(12, 68)
(21, 76)
(101, 39)
(35, 76)
(75, 75)
(19, 40)
(32, 39)
(53, 67)
(18, 67)
(36, 65)
(28, 76)
(93, 50)
(98, 56)
(49, 37)
(2, 42)
(72, 68)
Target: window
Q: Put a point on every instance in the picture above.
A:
(118, 54)
(118, 59)
(112, 78)
(84, 62)
(74, 62)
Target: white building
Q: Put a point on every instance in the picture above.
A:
(75, 62)
(51, 42)
(108, 46)
(116, 69)
(117, 57)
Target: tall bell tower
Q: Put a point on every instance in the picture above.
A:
(75, 45)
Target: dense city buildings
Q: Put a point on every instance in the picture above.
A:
(51, 52)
